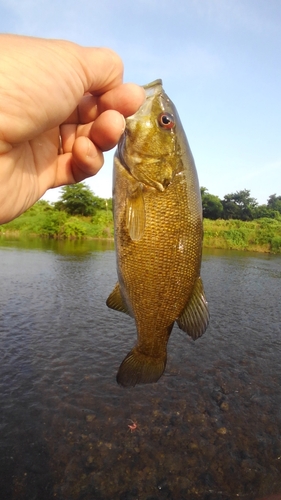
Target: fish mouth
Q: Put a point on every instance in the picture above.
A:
(153, 87)
(151, 90)
(134, 164)
(120, 148)
(153, 84)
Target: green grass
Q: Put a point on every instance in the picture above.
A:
(58, 224)
(260, 235)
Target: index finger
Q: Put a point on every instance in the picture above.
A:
(125, 98)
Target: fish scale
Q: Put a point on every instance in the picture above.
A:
(158, 235)
(152, 268)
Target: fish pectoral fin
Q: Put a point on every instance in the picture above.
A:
(195, 316)
(115, 300)
(135, 213)
(139, 368)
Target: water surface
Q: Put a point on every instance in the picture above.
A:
(209, 429)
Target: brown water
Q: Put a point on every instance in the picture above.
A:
(209, 429)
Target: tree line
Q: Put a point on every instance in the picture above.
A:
(78, 199)
(240, 205)
(80, 214)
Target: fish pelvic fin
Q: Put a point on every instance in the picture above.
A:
(139, 368)
(116, 302)
(195, 316)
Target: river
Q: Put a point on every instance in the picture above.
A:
(209, 429)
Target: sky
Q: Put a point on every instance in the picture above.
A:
(220, 62)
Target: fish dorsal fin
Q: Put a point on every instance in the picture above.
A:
(195, 316)
(116, 302)
(135, 213)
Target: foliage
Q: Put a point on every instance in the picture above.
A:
(103, 224)
(275, 245)
(78, 199)
(239, 205)
(52, 223)
(44, 220)
(263, 233)
(274, 202)
(265, 211)
(211, 205)
(73, 228)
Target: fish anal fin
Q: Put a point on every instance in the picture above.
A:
(135, 213)
(116, 302)
(138, 368)
(195, 316)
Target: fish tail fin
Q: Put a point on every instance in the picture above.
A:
(139, 368)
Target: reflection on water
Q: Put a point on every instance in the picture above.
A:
(209, 429)
(64, 247)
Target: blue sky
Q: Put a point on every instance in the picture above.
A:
(220, 62)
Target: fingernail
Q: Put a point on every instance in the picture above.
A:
(124, 124)
(91, 150)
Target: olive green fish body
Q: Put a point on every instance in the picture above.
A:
(158, 236)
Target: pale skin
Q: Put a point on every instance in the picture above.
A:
(51, 89)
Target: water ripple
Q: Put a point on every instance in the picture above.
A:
(210, 428)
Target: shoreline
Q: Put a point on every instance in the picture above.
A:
(211, 242)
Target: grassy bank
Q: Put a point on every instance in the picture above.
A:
(260, 235)
(46, 222)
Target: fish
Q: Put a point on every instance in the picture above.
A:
(158, 231)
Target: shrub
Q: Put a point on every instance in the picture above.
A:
(52, 223)
(275, 244)
(73, 228)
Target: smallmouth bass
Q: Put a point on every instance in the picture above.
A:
(158, 235)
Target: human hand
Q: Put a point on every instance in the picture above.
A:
(51, 89)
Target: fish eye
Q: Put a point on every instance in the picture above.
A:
(166, 120)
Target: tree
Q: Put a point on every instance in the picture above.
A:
(239, 205)
(211, 204)
(39, 207)
(274, 202)
(262, 211)
(78, 199)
